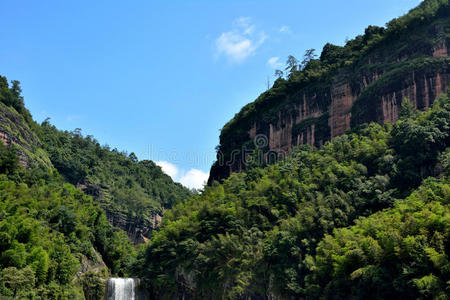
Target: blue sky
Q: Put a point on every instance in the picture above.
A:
(160, 78)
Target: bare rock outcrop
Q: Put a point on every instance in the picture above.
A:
(415, 67)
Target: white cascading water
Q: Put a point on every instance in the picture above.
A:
(121, 288)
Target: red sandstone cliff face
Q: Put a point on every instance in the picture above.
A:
(440, 49)
(279, 134)
(412, 66)
(420, 89)
(8, 140)
(342, 99)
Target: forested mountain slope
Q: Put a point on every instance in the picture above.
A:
(133, 193)
(60, 195)
(55, 241)
(357, 207)
(364, 81)
(281, 232)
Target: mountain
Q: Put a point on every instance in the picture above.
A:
(365, 217)
(71, 210)
(133, 193)
(17, 127)
(364, 81)
(333, 184)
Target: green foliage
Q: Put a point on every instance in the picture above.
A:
(353, 220)
(425, 12)
(419, 141)
(16, 281)
(9, 160)
(257, 234)
(38, 259)
(121, 182)
(52, 230)
(11, 96)
(47, 228)
(408, 110)
(93, 287)
(398, 253)
(379, 55)
(18, 128)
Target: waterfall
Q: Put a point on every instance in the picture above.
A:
(122, 289)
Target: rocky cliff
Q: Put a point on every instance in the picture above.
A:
(132, 193)
(364, 81)
(16, 131)
(138, 228)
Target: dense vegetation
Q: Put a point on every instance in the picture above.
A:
(380, 51)
(122, 183)
(273, 230)
(398, 253)
(126, 187)
(48, 230)
(365, 216)
(55, 239)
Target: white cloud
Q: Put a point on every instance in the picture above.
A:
(234, 46)
(72, 118)
(274, 62)
(245, 25)
(194, 179)
(285, 29)
(241, 42)
(168, 168)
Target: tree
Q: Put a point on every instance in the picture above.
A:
(93, 287)
(16, 90)
(417, 141)
(46, 122)
(9, 159)
(77, 132)
(39, 263)
(15, 256)
(279, 73)
(64, 263)
(133, 157)
(309, 55)
(16, 280)
(408, 110)
(291, 64)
